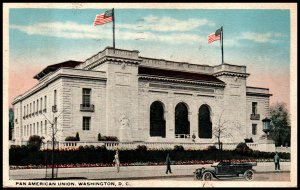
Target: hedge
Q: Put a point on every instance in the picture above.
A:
(23, 156)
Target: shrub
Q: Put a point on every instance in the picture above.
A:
(178, 148)
(15, 147)
(34, 142)
(112, 138)
(102, 138)
(142, 148)
(24, 147)
(242, 147)
(101, 148)
(77, 137)
(249, 140)
(256, 153)
(70, 138)
(81, 147)
(107, 138)
(211, 148)
(92, 147)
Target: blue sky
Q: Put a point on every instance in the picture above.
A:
(259, 39)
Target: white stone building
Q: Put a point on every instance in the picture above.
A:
(119, 93)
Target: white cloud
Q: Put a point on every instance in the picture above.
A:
(74, 30)
(261, 37)
(167, 24)
(59, 29)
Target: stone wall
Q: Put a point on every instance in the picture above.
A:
(72, 116)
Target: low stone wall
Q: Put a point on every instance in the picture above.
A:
(283, 149)
(112, 145)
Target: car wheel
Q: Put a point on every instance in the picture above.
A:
(249, 175)
(207, 176)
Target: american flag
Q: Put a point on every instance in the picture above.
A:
(213, 37)
(103, 18)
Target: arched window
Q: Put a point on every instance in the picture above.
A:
(157, 121)
(204, 125)
(182, 124)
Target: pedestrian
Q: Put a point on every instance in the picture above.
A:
(277, 161)
(168, 163)
(117, 161)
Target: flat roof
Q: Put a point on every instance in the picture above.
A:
(54, 67)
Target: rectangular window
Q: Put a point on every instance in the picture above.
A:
(45, 104)
(254, 129)
(41, 104)
(42, 132)
(86, 122)
(37, 105)
(254, 108)
(33, 106)
(27, 112)
(37, 128)
(24, 110)
(30, 109)
(30, 129)
(45, 127)
(54, 97)
(33, 130)
(86, 97)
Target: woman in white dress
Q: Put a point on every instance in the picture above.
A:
(117, 161)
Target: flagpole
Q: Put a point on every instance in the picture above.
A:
(113, 15)
(222, 45)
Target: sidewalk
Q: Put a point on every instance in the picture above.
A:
(130, 172)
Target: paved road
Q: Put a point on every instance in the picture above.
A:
(279, 176)
(129, 172)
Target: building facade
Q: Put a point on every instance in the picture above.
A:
(119, 93)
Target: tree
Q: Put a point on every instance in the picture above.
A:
(54, 130)
(77, 137)
(280, 124)
(11, 122)
(225, 129)
(34, 142)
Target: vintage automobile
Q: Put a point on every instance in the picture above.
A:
(220, 170)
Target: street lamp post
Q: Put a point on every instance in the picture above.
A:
(52, 150)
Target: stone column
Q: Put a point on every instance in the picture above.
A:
(193, 118)
(170, 121)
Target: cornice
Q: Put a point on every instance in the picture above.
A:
(230, 73)
(47, 83)
(181, 80)
(112, 60)
(257, 94)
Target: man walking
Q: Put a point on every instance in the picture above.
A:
(276, 161)
(168, 163)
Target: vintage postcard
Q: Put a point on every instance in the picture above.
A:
(150, 95)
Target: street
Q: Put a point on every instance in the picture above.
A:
(282, 176)
(142, 172)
